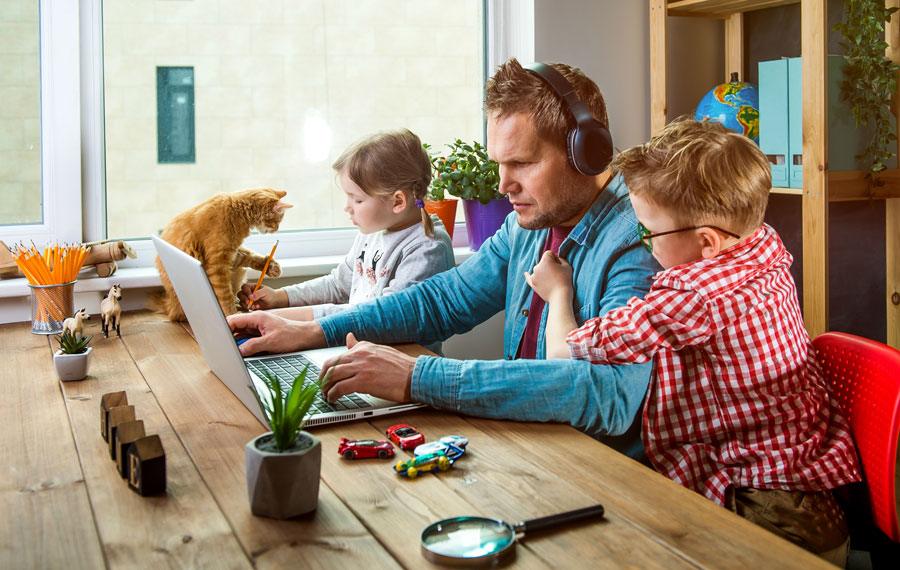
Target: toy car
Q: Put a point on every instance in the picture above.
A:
(453, 446)
(361, 448)
(423, 463)
(405, 436)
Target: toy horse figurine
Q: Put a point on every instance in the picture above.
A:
(111, 310)
(75, 324)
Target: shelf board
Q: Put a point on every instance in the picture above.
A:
(720, 8)
(852, 185)
(781, 190)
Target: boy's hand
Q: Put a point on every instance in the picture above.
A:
(264, 298)
(551, 279)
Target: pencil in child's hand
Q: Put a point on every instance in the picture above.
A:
(265, 267)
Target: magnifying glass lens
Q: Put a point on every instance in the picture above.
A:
(467, 537)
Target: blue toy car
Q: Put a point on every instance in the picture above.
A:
(453, 446)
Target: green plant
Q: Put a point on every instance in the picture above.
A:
(71, 344)
(871, 78)
(288, 415)
(466, 172)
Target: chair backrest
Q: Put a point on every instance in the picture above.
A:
(864, 376)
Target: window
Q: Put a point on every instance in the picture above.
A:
(175, 114)
(204, 97)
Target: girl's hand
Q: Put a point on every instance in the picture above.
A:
(551, 279)
(264, 298)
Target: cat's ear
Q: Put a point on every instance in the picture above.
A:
(279, 206)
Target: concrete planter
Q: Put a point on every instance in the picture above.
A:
(282, 485)
(72, 366)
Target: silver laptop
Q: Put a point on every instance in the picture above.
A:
(243, 375)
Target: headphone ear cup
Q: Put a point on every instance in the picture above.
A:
(590, 148)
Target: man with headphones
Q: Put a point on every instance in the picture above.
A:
(548, 130)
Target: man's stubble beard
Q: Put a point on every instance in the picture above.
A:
(570, 197)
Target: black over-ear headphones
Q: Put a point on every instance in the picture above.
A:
(589, 144)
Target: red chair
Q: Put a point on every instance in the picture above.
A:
(864, 376)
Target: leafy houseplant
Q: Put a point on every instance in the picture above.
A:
(283, 465)
(73, 357)
(871, 78)
(467, 173)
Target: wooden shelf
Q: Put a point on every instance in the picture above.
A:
(820, 186)
(721, 8)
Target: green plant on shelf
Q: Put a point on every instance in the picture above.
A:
(72, 344)
(870, 85)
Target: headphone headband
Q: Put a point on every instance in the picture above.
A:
(589, 144)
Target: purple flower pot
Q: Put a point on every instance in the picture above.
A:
(483, 220)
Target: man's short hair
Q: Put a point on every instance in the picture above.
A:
(701, 173)
(513, 89)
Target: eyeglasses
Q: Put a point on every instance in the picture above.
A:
(646, 236)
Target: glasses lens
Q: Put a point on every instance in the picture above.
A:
(645, 240)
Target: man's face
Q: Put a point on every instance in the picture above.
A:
(543, 189)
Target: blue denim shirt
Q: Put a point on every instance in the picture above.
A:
(610, 266)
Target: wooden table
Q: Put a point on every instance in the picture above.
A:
(65, 505)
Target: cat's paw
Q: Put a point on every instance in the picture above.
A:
(274, 270)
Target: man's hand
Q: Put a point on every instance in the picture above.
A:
(275, 334)
(375, 369)
(551, 279)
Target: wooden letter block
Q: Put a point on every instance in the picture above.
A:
(107, 401)
(147, 466)
(126, 434)
(117, 415)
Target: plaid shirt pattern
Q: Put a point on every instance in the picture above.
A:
(737, 397)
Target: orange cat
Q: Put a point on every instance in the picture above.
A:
(213, 232)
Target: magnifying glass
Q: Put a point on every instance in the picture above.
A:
(473, 541)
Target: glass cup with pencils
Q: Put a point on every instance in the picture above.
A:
(51, 277)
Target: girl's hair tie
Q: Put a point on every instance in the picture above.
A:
(420, 203)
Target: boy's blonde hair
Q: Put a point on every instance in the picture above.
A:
(701, 173)
(383, 163)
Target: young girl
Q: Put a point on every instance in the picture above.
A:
(385, 177)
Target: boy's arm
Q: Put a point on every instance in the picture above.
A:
(552, 280)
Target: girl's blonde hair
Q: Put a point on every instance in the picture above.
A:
(701, 173)
(386, 162)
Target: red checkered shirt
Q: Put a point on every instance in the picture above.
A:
(738, 397)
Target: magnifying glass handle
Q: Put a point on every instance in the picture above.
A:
(559, 519)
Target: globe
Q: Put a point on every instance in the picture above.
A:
(734, 104)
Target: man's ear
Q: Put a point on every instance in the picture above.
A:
(710, 242)
(399, 201)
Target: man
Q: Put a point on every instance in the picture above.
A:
(588, 220)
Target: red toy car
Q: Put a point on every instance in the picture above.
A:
(405, 436)
(362, 448)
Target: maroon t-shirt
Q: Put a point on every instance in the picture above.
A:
(528, 346)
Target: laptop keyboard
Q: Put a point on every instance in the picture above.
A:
(286, 368)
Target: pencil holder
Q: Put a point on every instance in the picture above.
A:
(50, 306)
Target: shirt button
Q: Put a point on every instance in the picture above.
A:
(524, 312)
(509, 357)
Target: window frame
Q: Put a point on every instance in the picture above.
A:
(72, 129)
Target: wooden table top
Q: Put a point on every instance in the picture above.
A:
(65, 505)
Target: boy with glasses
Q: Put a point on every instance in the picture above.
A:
(737, 408)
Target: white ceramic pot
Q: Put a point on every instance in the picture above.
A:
(72, 366)
(282, 485)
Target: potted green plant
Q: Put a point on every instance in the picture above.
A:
(283, 465)
(467, 173)
(437, 202)
(73, 357)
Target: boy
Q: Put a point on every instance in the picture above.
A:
(737, 409)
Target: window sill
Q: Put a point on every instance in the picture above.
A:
(90, 288)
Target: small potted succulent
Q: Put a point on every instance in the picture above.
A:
(283, 465)
(73, 357)
(467, 173)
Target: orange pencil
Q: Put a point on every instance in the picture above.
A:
(265, 267)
